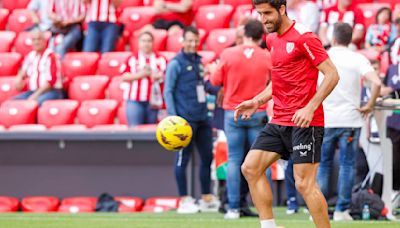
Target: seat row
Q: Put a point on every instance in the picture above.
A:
(43, 204)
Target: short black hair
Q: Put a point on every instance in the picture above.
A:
(190, 29)
(274, 3)
(381, 10)
(254, 29)
(343, 33)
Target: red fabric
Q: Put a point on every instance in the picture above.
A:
(244, 73)
(352, 15)
(186, 18)
(295, 57)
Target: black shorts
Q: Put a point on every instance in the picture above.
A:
(302, 145)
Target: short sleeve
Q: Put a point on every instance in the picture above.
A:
(312, 48)
(365, 65)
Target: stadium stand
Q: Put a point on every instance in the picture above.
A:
(7, 40)
(8, 204)
(370, 10)
(219, 39)
(4, 13)
(10, 63)
(134, 18)
(211, 17)
(79, 64)
(115, 89)
(15, 112)
(7, 88)
(113, 63)
(40, 204)
(19, 20)
(13, 4)
(95, 112)
(23, 43)
(174, 41)
(88, 87)
(58, 112)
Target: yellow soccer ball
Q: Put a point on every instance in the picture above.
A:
(174, 133)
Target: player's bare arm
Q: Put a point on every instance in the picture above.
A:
(303, 117)
(376, 83)
(249, 107)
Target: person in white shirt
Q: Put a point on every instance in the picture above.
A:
(40, 72)
(344, 117)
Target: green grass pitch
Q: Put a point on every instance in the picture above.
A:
(165, 220)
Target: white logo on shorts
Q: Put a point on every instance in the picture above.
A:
(303, 153)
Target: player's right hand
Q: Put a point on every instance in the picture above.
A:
(245, 109)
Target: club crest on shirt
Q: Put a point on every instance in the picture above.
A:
(289, 47)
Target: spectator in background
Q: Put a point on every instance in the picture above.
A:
(67, 17)
(173, 14)
(142, 91)
(342, 11)
(41, 68)
(243, 71)
(39, 13)
(103, 28)
(305, 12)
(380, 35)
(185, 96)
(395, 49)
(344, 117)
(391, 88)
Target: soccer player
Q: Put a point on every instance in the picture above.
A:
(297, 127)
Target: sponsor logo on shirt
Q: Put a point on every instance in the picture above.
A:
(309, 51)
(289, 47)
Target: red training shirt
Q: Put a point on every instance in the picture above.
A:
(295, 56)
(244, 71)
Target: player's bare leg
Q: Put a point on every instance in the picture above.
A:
(306, 184)
(253, 169)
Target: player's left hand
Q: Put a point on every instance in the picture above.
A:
(365, 110)
(303, 117)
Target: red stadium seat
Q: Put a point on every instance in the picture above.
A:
(57, 112)
(120, 44)
(4, 13)
(6, 40)
(240, 12)
(28, 127)
(122, 114)
(370, 10)
(168, 55)
(129, 204)
(160, 40)
(219, 39)
(211, 17)
(116, 89)
(96, 112)
(88, 88)
(172, 202)
(196, 4)
(110, 127)
(15, 112)
(23, 43)
(113, 63)
(78, 204)
(134, 18)
(40, 204)
(80, 64)
(10, 63)
(236, 3)
(7, 88)
(15, 4)
(174, 42)
(8, 204)
(19, 20)
(130, 3)
(207, 56)
(69, 128)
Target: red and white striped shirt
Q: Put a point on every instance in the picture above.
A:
(140, 90)
(67, 10)
(41, 69)
(103, 11)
